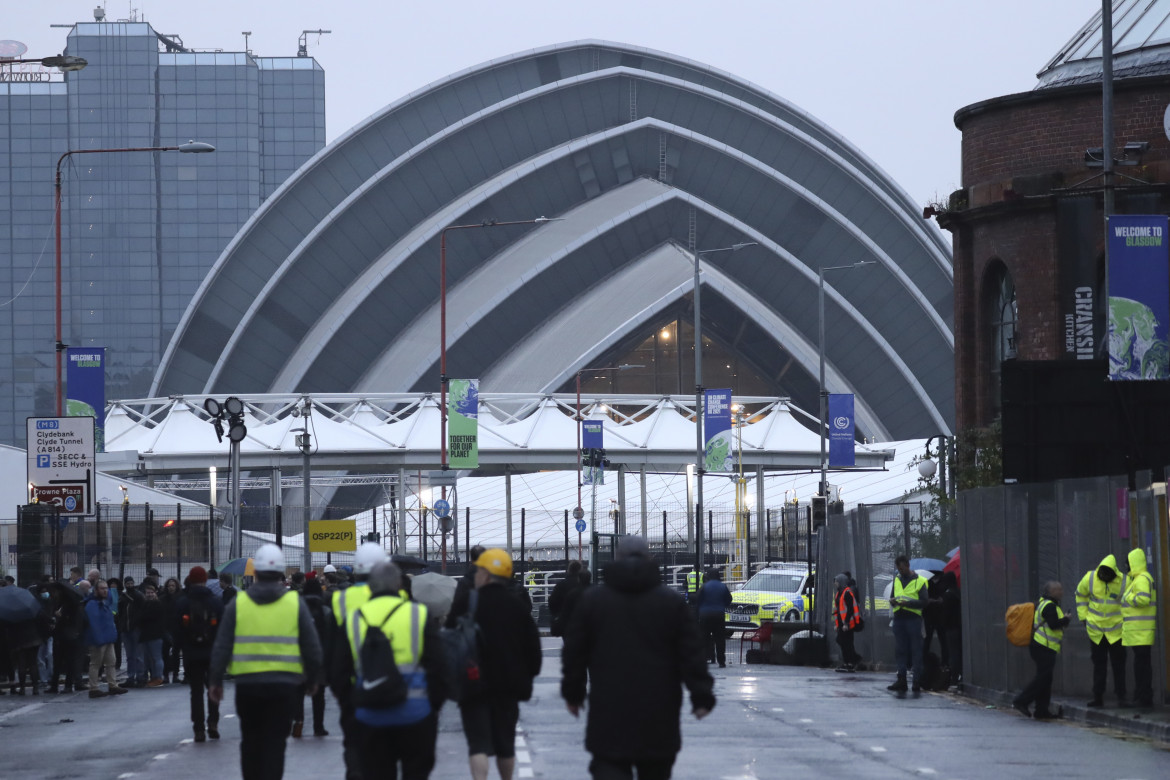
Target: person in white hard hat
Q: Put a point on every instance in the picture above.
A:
(269, 643)
(345, 603)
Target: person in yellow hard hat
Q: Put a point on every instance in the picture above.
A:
(268, 642)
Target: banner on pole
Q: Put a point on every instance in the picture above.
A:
(592, 445)
(463, 424)
(85, 382)
(1139, 297)
(841, 430)
(720, 446)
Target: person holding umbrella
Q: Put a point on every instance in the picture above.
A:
(23, 620)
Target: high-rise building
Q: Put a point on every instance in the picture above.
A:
(140, 230)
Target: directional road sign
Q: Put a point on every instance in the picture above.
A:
(580, 526)
(578, 513)
(442, 508)
(61, 462)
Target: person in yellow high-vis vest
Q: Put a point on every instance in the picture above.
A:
(1099, 608)
(908, 597)
(268, 642)
(401, 734)
(1139, 609)
(1047, 635)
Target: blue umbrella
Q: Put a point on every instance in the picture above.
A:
(18, 605)
(930, 564)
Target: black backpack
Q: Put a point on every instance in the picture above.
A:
(461, 647)
(379, 683)
(199, 624)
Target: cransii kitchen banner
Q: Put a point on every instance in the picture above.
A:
(1139, 297)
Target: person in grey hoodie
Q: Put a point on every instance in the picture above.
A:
(269, 642)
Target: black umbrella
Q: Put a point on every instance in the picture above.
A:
(18, 605)
(409, 562)
(65, 592)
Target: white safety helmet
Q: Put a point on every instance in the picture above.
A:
(368, 556)
(268, 558)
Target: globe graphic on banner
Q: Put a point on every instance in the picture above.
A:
(1135, 349)
(719, 451)
(465, 399)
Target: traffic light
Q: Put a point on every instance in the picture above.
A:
(372, 536)
(818, 511)
(602, 461)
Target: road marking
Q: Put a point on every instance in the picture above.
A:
(21, 710)
(840, 734)
(125, 775)
(525, 771)
(523, 757)
(161, 756)
(925, 770)
(520, 742)
(806, 720)
(777, 709)
(230, 716)
(878, 749)
(186, 741)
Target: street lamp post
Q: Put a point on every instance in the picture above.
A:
(189, 147)
(824, 393)
(622, 367)
(700, 459)
(62, 62)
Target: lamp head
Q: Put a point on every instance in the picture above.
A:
(64, 62)
(196, 147)
(927, 468)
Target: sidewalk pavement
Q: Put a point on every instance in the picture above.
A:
(1153, 723)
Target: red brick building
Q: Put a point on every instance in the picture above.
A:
(1027, 225)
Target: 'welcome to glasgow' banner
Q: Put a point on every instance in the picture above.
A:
(841, 429)
(85, 381)
(720, 454)
(1139, 297)
(593, 438)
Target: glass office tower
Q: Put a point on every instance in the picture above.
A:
(140, 230)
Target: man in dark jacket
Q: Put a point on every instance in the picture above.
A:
(638, 643)
(199, 614)
(711, 603)
(466, 584)
(560, 591)
(509, 659)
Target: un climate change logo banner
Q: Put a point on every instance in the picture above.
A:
(463, 424)
(1139, 297)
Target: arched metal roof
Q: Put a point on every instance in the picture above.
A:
(332, 286)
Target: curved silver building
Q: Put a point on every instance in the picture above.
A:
(642, 158)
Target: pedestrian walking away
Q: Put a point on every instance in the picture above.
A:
(100, 634)
(198, 615)
(712, 602)
(323, 621)
(1139, 610)
(1047, 634)
(847, 617)
(631, 646)
(269, 644)
(394, 639)
(345, 602)
(907, 601)
(510, 658)
(1099, 608)
(560, 592)
(463, 589)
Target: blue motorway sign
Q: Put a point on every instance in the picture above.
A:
(580, 526)
(442, 508)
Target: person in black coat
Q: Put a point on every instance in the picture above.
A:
(509, 659)
(637, 643)
(463, 589)
(198, 613)
(560, 592)
(314, 598)
(711, 603)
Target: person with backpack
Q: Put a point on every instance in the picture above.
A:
(1139, 615)
(198, 613)
(1099, 608)
(395, 655)
(510, 658)
(314, 597)
(1047, 635)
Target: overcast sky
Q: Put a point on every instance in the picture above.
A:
(888, 76)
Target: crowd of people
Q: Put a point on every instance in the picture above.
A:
(389, 661)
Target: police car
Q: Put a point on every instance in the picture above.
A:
(780, 592)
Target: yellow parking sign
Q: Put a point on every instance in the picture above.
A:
(332, 535)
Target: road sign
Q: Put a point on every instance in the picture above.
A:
(580, 526)
(61, 462)
(442, 508)
(578, 513)
(332, 535)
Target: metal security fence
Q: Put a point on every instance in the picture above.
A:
(1017, 537)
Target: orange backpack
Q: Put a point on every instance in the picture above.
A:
(1019, 623)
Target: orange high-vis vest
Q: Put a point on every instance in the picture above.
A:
(844, 620)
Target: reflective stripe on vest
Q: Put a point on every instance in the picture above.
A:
(918, 583)
(1042, 633)
(403, 629)
(842, 617)
(1103, 617)
(267, 636)
(1139, 622)
(346, 602)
